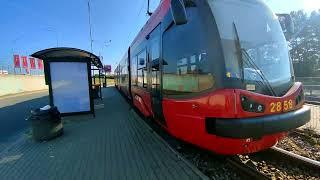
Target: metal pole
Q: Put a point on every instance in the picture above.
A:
(100, 83)
(105, 78)
(90, 27)
(94, 78)
(148, 11)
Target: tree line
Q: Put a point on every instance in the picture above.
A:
(304, 44)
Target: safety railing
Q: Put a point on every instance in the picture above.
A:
(311, 88)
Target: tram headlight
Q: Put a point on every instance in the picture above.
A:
(300, 97)
(251, 106)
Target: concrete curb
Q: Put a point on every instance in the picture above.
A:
(189, 164)
(22, 93)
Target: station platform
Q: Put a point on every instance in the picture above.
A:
(116, 144)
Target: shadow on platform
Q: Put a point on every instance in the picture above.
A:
(117, 144)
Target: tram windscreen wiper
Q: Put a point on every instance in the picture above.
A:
(251, 63)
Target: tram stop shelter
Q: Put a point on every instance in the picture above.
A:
(68, 73)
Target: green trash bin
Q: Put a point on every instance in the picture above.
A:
(46, 124)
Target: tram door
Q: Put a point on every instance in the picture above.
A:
(154, 81)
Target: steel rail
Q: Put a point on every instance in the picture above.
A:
(246, 170)
(296, 158)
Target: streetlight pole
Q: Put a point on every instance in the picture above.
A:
(90, 35)
(90, 26)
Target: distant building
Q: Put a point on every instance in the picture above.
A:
(4, 72)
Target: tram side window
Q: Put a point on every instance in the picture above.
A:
(134, 77)
(155, 62)
(124, 73)
(142, 69)
(121, 75)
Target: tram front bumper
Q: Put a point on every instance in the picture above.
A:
(258, 126)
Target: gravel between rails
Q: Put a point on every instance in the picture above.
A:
(277, 167)
(302, 142)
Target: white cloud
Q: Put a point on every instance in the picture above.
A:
(311, 5)
(293, 5)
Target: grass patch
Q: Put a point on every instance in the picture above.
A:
(109, 81)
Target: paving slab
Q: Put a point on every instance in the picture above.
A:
(116, 144)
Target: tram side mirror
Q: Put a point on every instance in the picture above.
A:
(178, 11)
(286, 23)
(141, 61)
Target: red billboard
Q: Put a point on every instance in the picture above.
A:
(40, 64)
(16, 61)
(24, 62)
(32, 63)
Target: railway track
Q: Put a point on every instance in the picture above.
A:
(281, 153)
(279, 164)
(275, 163)
(246, 169)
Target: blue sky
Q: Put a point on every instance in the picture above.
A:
(32, 25)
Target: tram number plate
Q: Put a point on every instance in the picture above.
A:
(281, 106)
